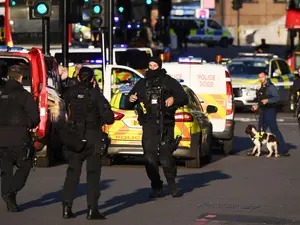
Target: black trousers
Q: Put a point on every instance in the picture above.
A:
(14, 156)
(93, 169)
(150, 143)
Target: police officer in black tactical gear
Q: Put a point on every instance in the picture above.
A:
(268, 100)
(86, 105)
(19, 115)
(147, 91)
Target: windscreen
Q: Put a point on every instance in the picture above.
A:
(134, 58)
(245, 67)
(7, 62)
(122, 102)
(79, 57)
(297, 61)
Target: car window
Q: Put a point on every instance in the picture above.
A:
(193, 103)
(123, 76)
(284, 68)
(25, 66)
(274, 68)
(247, 67)
(201, 24)
(213, 24)
(197, 101)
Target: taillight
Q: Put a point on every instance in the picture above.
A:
(227, 74)
(118, 116)
(183, 117)
(228, 98)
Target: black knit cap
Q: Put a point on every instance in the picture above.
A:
(86, 73)
(157, 60)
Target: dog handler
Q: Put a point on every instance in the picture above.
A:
(268, 99)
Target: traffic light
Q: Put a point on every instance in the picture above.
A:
(148, 2)
(237, 4)
(12, 3)
(98, 14)
(75, 11)
(42, 9)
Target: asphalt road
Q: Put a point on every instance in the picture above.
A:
(231, 190)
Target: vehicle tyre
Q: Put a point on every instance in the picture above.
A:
(209, 141)
(195, 163)
(228, 146)
(224, 43)
(45, 161)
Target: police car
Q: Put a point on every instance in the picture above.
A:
(191, 122)
(40, 77)
(244, 70)
(201, 28)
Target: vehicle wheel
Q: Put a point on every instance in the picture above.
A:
(195, 163)
(46, 161)
(228, 146)
(106, 161)
(224, 43)
(209, 140)
(43, 162)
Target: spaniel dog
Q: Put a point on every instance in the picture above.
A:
(262, 138)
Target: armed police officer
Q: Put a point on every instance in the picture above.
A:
(158, 87)
(268, 101)
(84, 139)
(19, 115)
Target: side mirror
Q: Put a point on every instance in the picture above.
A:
(211, 109)
(99, 80)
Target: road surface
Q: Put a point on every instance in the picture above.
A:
(231, 190)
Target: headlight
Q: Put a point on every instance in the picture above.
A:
(251, 92)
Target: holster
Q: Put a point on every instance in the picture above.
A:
(101, 147)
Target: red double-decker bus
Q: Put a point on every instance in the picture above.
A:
(293, 27)
(5, 30)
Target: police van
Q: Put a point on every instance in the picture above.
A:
(212, 85)
(199, 27)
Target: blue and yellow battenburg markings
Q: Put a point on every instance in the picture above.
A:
(282, 82)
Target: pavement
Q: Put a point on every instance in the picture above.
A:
(231, 190)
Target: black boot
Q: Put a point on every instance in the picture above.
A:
(11, 203)
(157, 193)
(94, 214)
(67, 211)
(174, 190)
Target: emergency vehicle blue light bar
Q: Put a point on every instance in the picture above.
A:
(4, 48)
(121, 46)
(246, 54)
(97, 61)
(190, 60)
(180, 80)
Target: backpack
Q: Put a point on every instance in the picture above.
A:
(73, 134)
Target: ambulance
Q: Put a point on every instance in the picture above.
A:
(212, 85)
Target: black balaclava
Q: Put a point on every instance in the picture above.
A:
(153, 74)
